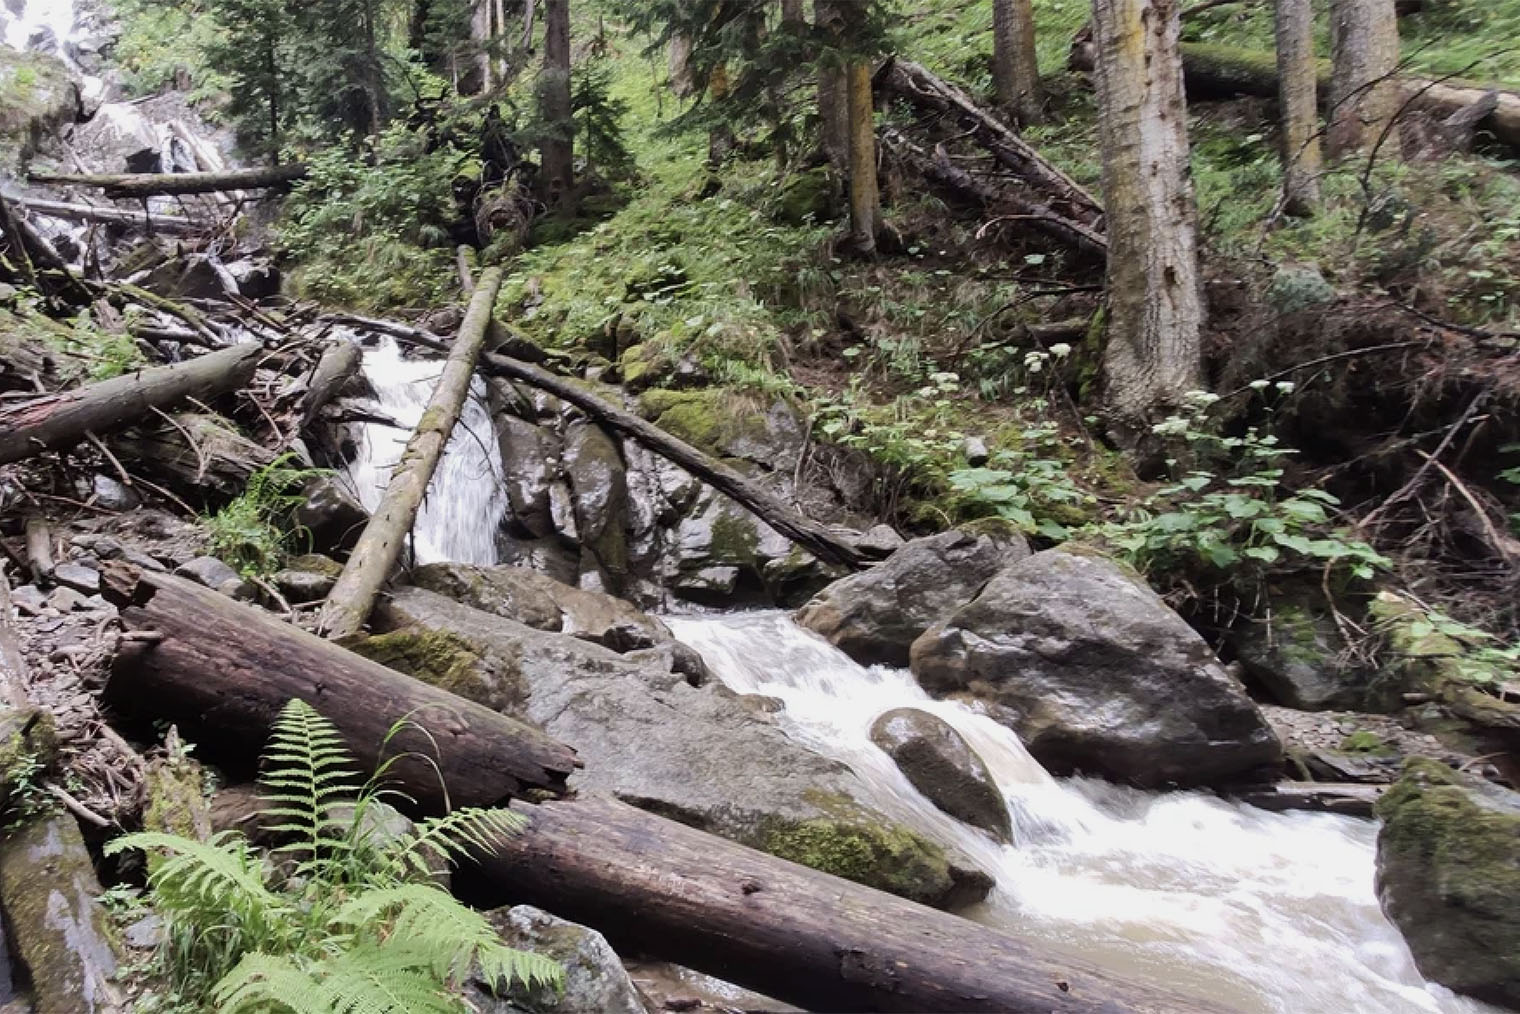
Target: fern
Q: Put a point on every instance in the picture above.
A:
(344, 931)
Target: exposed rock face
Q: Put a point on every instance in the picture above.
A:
(698, 754)
(875, 615)
(600, 484)
(1448, 875)
(1096, 674)
(543, 603)
(37, 97)
(1296, 656)
(942, 766)
(595, 979)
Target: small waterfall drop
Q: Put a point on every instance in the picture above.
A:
(467, 498)
(1268, 913)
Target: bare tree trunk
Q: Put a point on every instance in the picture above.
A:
(1152, 357)
(1015, 67)
(480, 34)
(1298, 87)
(1364, 54)
(557, 176)
(791, 12)
(865, 199)
(833, 94)
(529, 9)
(349, 603)
(678, 61)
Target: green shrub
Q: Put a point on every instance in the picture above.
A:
(251, 532)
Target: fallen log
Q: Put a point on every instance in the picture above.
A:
(915, 84)
(57, 421)
(122, 185)
(809, 534)
(805, 937)
(222, 670)
(369, 565)
(193, 453)
(1348, 799)
(172, 224)
(338, 365)
(39, 550)
(13, 678)
(1214, 71)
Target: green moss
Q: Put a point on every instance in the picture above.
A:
(177, 803)
(440, 659)
(807, 197)
(708, 418)
(1363, 741)
(28, 748)
(734, 538)
(888, 857)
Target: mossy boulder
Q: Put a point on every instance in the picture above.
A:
(599, 480)
(808, 197)
(37, 97)
(449, 662)
(28, 747)
(1448, 875)
(177, 801)
(728, 425)
(1296, 653)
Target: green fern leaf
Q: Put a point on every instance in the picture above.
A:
(453, 836)
(308, 772)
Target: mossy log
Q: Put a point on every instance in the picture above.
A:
(805, 937)
(194, 453)
(379, 547)
(120, 185)
(222, 670)
(1215, 71)
(58, 421)
(57, 926)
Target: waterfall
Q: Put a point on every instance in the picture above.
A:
(467, 498)
(1261, 912)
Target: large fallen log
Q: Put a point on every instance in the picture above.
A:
(1214, 71)
(805, 937)
(171, 224)
(809, 534)
(907, 80)
(119, 185)
(193, 453)
(369, 565)
(222, 670)
(56, 421)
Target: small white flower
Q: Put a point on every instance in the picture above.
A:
(1060, 350)
(1259, 385)
(1286, 386)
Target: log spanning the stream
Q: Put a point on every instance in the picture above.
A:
(379, 547)
(57, 421)
(123, 185)
(170, 224)
(805, 937)
(222, 670)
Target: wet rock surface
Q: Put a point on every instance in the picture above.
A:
(1298, 656)
(942, 766)
(1096, 674)
(595, 979)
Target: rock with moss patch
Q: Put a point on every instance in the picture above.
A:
(942, 765)
(1297, 654)
(769, 434)
(176, 794)
(1095, 673)
(28, 747)
(595, 979)
(875, 615)
(307, 578)
(808, 198)
(687, 749)
(600, 484)
(1448, 875)
(38, 97)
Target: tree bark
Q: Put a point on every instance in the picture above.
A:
(865, 197)
(791, 12)
(1298, 97)
(193, 453)
(222, 670)
(1015, 65)
(339, 364)
(120, 185)
(557, 153)
(169, 224)
(56, 421)
(833, 92)
(13, 678)
(929, 92)
(1152, 356)
(801, 936)
(1364, 54)
(369, 565)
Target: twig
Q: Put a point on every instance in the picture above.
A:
(1473, 332)
(200, 458)
(75, 807)
(126, 480)
(1321, 361)
(1413, 484)
(1494, 538)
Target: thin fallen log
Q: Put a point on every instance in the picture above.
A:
(909, 81)
(170, 224)
(57, 421)
(804, 937)
(221, 671)
(939, 170)
(122, 185)
(1214, 71)
(39, 550)
(338, 365)
(1348, 799)
(809, 534)
(370, 564)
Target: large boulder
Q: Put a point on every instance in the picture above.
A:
(875, 615)
(1298, 656)
(697, 753)
(544, 604)
(599, 482)
(1448, 875)
(942, 766)
(1095, 673)
(595, 979)
(530, 462)
(37, 98)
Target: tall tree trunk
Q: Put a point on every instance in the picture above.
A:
(374, 83)
(1298, 86)
(480, 35)
(1152, 357)
(557, 175)
(1015, 67)
(865, 199)
(678, 62)
(791, 12)
(1364, 54)
(833, 95)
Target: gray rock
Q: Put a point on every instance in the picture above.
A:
(216, 575)
(112, 495)
(600, 484)
(875, 615)
(976, 451)
(256, 277)
(880, 539)
(942, 766)
(299, 585)
(697, 754)
(65, 599)
(330, 514)
(29, 599)
(1095, 673)
(1298, 658)
(595, 980)
(1448, 875)
(78, 576)
(530, 462)
(138, 558)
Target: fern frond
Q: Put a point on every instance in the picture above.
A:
(455, 835)
(308, 770)
(263, 982)
(222, 875)
(367, 980)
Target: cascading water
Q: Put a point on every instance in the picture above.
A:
(1259, 911)
(466, 498)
